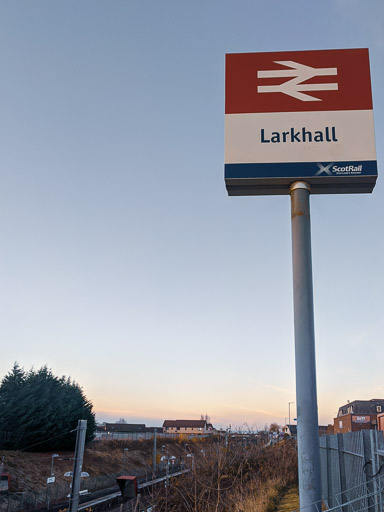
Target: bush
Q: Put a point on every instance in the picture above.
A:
(238, 477)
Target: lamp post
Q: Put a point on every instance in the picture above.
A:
(53, 458)
(289, 414)
(50, 480)
(154, 452)
(125, 451)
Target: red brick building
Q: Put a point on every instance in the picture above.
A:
(358, 415)
(380, 421)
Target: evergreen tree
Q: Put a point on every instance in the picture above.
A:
(39, 411)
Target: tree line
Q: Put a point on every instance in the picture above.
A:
(40, 412)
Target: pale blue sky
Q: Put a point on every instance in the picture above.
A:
(123, 262)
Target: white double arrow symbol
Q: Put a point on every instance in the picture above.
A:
(301, 73)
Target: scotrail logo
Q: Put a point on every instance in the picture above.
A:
(300, 73)
(332, 169)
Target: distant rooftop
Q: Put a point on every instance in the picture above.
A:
(372, 406)
(124, 427)
(184, 423)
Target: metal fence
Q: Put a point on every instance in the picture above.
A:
(141, 436)
(352, 471)
(132, 436)
(54, 493)
(58, 493)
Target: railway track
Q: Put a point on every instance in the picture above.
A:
(141, 486)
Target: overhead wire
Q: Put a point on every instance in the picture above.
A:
(49, 439)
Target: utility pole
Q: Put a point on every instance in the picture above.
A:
(289, 412)
(306, 394)
(154, 452)
(77, 465)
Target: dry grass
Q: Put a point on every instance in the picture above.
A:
(271, 496)
(235, 478)
(290, 500)
(257, 497)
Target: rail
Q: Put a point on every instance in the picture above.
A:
(146, 484)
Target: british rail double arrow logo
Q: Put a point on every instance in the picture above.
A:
(295, 87)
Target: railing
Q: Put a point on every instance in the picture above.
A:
(96, 486)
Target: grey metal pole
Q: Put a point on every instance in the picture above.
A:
(289, 412)
(154, 451)
(49, 484)
(124, 455)
(77, 465)
(306, 394)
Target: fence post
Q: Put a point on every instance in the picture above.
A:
(367, 459)
(342, 472)
(380, 478)
(375, 468)
(328, 471)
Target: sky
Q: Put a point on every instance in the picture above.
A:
(123, 262)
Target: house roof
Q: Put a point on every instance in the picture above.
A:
(125, 427)
(361, 407)
(184, 423)
(152, 429)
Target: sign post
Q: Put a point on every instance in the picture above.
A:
(306, 395)
(299, 123)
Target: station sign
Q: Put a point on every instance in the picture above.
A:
(303, 115)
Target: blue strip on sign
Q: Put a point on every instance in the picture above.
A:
(301, 169)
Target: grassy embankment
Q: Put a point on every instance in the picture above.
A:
(235, 478)
(29, 471)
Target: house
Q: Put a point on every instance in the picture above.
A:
(125, 427)
(189, 427)
(380, 421)
(329, 430)
(125, 431)
(291, 430)
(358, 415)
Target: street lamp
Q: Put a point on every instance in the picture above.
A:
(50, 480)
(53, 458)
(125, 451)
(289, 414)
